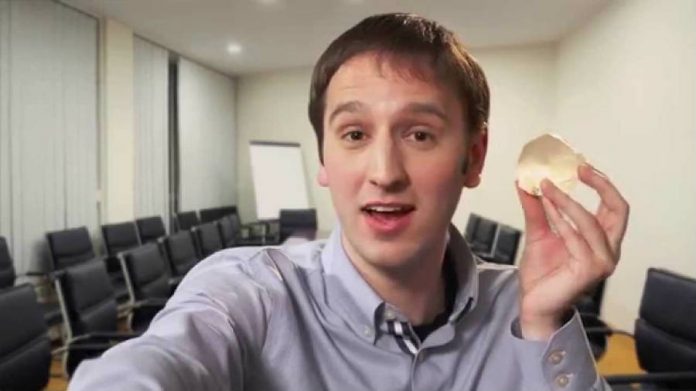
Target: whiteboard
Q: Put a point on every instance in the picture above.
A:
(277, 170)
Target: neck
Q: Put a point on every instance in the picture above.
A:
(417, 288)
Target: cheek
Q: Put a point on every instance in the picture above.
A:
(439, 180)
(344, 179)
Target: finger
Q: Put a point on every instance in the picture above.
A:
(535, 223)
(575, 244)
(613, 210)
(586, 223)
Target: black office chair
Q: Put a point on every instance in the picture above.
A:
(120, 237)
(147, 273)
(74, 246)
(186, 220)
(229, 230)
(665, 335)
(483, 237)
(51, 310)
(149, 281)
(471, 225)
(208, 237)
(150, 229)
(69, 247)
(505, 246)
(181, 253)
(7, 271)
(293, 221)
(25, 349)
(90, 308)
(209, 215)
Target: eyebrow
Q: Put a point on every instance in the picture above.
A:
(427, 108)
(346, 107)
(355, 106)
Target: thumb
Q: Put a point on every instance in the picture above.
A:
(535, 223)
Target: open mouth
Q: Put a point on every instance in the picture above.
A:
(388, 211)
(388, 218)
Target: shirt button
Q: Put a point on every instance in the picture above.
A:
(390, 315)
(368, 331)
(556, 357)
(562, 380)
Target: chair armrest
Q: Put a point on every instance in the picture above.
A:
(150, 303)
(655, 377)
(56, 275)
(35, 273)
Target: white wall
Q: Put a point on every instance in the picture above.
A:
(207, 150)
(522, 82)
(273, 106)
(118, 135)
(627, 98)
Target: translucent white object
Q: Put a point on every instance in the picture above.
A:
(548, 156)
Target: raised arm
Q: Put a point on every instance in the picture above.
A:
(200, 341)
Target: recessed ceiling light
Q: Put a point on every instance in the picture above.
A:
(268, 2)
(234, 48)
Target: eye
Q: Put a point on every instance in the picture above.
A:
(354, 135)
(420, 136)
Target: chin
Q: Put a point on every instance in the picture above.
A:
(395, 255)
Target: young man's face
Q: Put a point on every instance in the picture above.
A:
(394, 151)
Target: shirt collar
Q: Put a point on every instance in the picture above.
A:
(346, 285)
(351, 288)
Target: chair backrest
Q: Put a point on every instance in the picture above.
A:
(506, 245)
(150, 229)
(7, 271)
(208, 237)
(147, 272)
(665, 332)
(292, 220)
(181, 252)
(120, 237)
(25, 349)
(484, 236)
(229, 229)
(213, 214)
(89, 298)
(69, 247)
(471, 225)
(187, 220)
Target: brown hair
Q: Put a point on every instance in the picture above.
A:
(411, 38)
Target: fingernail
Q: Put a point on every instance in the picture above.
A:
(545, 183)
(595, 170)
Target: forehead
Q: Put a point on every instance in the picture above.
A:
(375, 75)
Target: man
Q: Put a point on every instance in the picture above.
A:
(394, 299)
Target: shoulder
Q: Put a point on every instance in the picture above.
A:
(261, 269)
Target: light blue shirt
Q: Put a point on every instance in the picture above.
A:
(301, 318)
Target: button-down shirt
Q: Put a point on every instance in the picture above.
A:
(301, 318)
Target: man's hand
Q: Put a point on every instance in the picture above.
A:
(568, 250)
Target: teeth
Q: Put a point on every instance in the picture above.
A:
(385, 209)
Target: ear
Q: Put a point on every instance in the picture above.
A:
(476, 156)
(322, 177)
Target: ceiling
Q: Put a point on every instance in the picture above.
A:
(277, 34)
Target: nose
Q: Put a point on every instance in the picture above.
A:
(386, 169)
